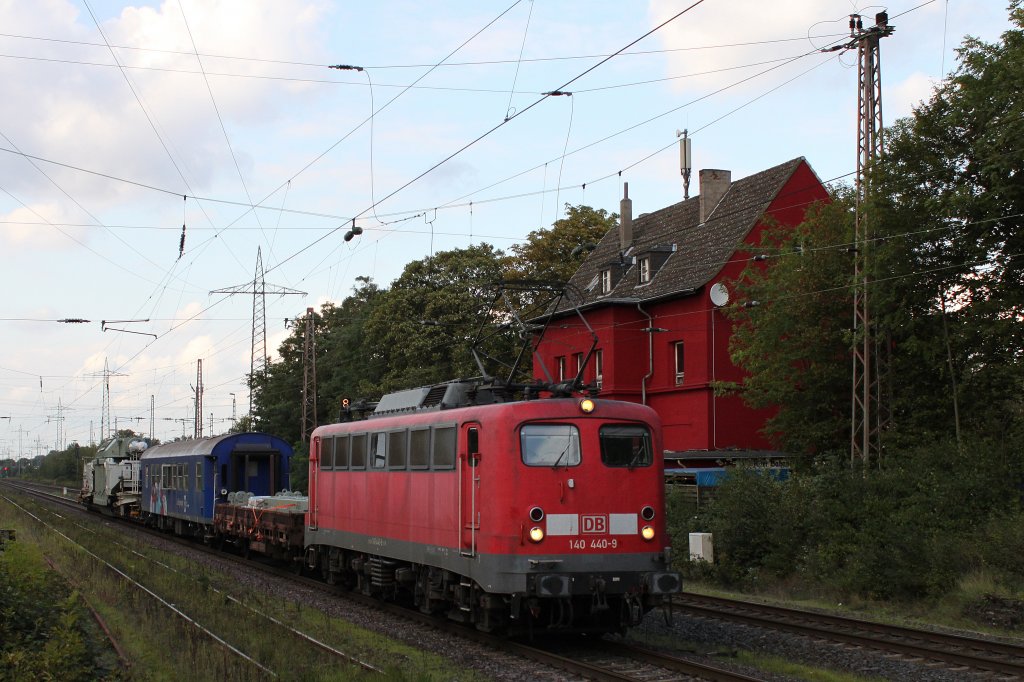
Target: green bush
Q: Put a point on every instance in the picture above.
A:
(40, 632)
(907, 530)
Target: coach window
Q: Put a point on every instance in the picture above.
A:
(166, 483)
(550, 445)
(444, 447)
(397, 449)
(626, 446)
(341, 452)
(358, 454)
(419, 448)
(327, 452)
(378, 450)
(199, 475)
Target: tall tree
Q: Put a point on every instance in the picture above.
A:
(946, 276)
(344, 357)
(951, 199)
(556, 253)
(421, 330)
(791, 329)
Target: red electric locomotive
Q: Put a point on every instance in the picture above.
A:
(514, 515)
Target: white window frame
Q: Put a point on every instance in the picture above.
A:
(606, 281)
(599, 368)
(680, 362)
(643, 267)
(560, 362)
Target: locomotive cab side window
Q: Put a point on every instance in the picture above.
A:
(444, 447)
(327, 452)
(378, 450)
(419, 448)
(358, 451)
(551, 445)
(397, 449)
(626, 446)
(341, 452)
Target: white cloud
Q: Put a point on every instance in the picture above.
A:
(751, 21)
(40, 227)
(901, 99)
(88, 115)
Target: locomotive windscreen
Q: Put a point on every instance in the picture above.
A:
(626, 446)
(550, 445)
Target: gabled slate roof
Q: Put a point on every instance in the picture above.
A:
(701, 250)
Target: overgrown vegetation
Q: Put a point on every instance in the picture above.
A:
(43, 633)
(160, 645)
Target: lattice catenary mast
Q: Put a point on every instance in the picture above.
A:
(867, 413)
(309, 377)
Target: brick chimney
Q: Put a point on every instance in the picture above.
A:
(625, 219)
(714, 184)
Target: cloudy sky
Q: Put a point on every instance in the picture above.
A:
(122, 122)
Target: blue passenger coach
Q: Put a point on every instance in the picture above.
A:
(183, 481)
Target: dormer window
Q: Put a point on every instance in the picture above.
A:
(643, 267)
(650, 261)
(606, 281)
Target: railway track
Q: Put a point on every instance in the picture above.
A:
(599, 660)
(956, 652)
(223, 638)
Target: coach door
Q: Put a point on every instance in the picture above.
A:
(469, 485)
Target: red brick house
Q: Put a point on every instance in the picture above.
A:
(652, 289)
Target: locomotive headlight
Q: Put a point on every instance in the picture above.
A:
(647, 532)
(587, 406)
(536, 534)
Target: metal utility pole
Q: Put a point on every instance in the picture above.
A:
(868, 409)
(152, 416)
(258, 289)
(309, 377)
(199, 399)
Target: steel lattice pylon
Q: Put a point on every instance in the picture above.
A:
(258, 289)
(105, 429)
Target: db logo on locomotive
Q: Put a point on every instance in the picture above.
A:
(594, 523)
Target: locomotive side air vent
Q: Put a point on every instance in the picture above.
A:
(402, 401)
(435, 395)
